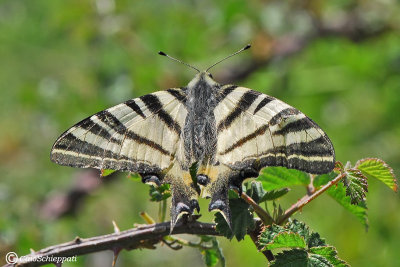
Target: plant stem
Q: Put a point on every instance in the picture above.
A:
(263, 214)
(307, 198)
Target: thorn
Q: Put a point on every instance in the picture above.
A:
(116, 228)
(32, 251)
(116, 252)
(77, 240)
(147, 218)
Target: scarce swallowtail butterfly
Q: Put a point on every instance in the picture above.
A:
(228, 132)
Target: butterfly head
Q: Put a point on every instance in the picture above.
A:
(203, 78)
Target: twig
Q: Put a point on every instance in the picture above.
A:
(307, 198)
(263, 214)
(145, 236)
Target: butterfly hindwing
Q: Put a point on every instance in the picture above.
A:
(256, 130)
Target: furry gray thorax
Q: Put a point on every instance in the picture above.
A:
(200, 133)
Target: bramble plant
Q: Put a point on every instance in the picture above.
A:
(284, 241)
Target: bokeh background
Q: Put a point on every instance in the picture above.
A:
(61, 61)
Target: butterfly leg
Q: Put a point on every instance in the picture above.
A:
(184, 194)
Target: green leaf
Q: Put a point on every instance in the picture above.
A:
(159, 193)
(378, 169)
(329, 253)
(242, 220)
(210, 257)
(271, 232)
(318, 257)
(287, 240)
(318, 261)
(338, 193)
(213, 254)
(279, 177)
(356, 185)
(106, 172)
(274, 194)
(291, 258)
(268, 235)
(256, 191)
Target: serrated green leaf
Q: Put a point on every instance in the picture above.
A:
(378, 169)
(315, 260)
(106, 172)
(278, 177)
(287, 240)
(274, 194)
(298, 227)
(315, 240)
(268, 234)
(159, 193)
(338, 192)
(242, 220)
(356, 185)
(291, 258)
(330, 254)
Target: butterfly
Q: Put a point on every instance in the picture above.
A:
(227, 133)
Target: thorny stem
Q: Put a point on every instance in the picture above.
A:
(307, 198)
(141, 237)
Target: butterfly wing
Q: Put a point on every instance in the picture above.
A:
(142, 135)
(255, 131)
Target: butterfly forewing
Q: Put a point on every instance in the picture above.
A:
(140, 134)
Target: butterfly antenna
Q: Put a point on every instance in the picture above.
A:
(237, 52)
(177, 60)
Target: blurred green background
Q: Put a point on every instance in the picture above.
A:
(61, 61)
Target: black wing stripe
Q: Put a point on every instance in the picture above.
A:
(96, 129)
(135, 107)
(314, 167)
(71, 143)
(225, 91)
(111, 121)
(282, 115)
(296, 126)
(242, 141)
(244, 103)
(178, 94)
(155, 106)
(263, 102)
(143, 140)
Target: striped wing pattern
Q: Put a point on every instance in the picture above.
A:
(256, 130)
(142, 135)
(247, 131)
(121, 138)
